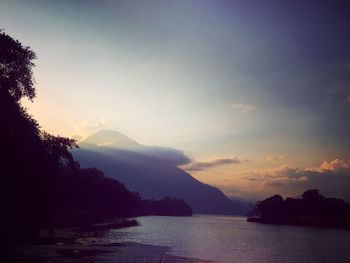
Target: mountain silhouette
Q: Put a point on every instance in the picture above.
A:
(152, 172)
(111, 139)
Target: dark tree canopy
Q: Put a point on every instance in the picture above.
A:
(312, 195)
(58, 148)
(30, 157)
(16, 68)
(312, 209)
(270, 207)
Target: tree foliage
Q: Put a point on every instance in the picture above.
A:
(30, 157)
(312, 209)
(16, 68)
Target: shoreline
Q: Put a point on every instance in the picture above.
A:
(323, 223)
(68, 246)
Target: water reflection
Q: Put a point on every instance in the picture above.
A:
(231, 239)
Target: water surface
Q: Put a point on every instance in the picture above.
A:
(228, 239)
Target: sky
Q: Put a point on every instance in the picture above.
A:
(255, 93)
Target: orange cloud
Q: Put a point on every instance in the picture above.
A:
(331, 177)
(334, 165)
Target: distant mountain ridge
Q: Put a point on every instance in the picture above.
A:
(152, 172)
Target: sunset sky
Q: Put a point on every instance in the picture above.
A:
(256, 93)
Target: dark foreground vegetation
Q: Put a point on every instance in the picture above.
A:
(82, 197)
(42, 186)
(312, 209)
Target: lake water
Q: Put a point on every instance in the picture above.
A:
(229, 239)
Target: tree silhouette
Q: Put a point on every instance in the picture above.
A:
(313, 210)
(270, 207)
(30, 157)
(16, 68)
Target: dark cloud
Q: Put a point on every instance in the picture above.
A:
(203, 165)
(113, 140)
(170, 155)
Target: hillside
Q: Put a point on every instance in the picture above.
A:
(143, 169)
